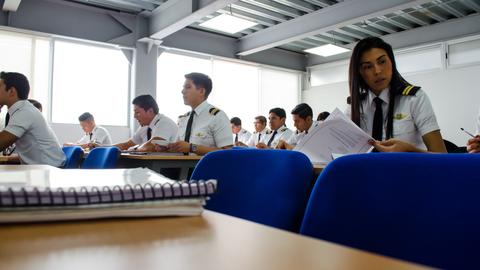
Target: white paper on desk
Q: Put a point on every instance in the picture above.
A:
(337, 134)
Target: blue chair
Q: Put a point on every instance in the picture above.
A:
(265, 186)
(423, 208)
(102, 158)
(73, 154)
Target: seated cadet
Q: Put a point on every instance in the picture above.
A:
(261, 131)
(205, 128)
(322, 116)
(26, 127)
(279, 131)
(94, 135)
(36, 104)
(302, 119)
(473, 145)
(153, 125)
(240, 135)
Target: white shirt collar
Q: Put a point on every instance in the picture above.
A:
(17, 105)
(384, 96)
(201, 107)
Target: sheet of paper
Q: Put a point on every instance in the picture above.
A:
(336, 135)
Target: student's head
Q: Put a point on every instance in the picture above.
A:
(145, 108)
(13, 87)
(196, 88)
(236, 124)
(302, 116)
(260, 123)
(322, 116)
(36, 104)
(87, 122)
(276, 118)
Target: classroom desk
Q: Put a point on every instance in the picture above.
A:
(209, 241)
(13, 159)
(157, 162)
(318, 168)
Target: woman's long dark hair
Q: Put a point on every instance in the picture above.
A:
(359, 88)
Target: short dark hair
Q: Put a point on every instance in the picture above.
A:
(279, 111)
(86, 116)
(262, 119)
(36, 104)
(201, 80)
(303, 110)
(236, 121)
(322, 116)
(146, 102)
(17, 80)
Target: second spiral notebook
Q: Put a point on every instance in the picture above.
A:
(37, 193)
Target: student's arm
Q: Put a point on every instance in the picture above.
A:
(125, 145)
(473, 145)
(433, 140)
(151, 147)
(6, 139)
(284, 145)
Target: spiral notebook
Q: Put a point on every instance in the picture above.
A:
(33, 194)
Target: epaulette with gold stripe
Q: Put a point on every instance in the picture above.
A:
(410, 90)
(213, 111)
(184, 115)
(283, 129)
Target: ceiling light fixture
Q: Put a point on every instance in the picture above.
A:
(228, 23)
(327, 50)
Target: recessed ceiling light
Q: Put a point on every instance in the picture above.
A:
(228, 23)
(327, 50)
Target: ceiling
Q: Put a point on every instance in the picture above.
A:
(280, 22)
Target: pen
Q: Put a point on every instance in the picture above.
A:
(471, 135)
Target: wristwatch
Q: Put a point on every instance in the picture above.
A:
(193, 148)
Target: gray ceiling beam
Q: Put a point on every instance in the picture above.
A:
(449, 9)
(472, 4)
(349, 33)
(11, 5)
(394, 22)
(439, 32)
(430, 13)
(321, 3)
(259, 11)
(320, 21)
(300, 5)
(275, 7)
(337, 36)
(412, 18)
(175, 15)
(380, 27)
(365, 30)
(247, 16)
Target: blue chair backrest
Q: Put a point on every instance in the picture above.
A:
(423, 208)
(270, 187)
(102, 158)
(73, 154)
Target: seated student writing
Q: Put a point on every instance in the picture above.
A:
(279, 131)
(205, 128)
(94, 135)
(473, 144)
(398, 115)
(153, 125)
(302, 119)
(35, 141)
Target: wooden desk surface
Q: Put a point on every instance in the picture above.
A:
(160, 157)
(210, 241)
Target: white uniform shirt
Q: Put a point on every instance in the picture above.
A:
(210, 127)
(413, 116)
(297, 137)
(161, 126)
(283, 133)
(257, 137)
(243, 136)
(36, 143)
(99, 135)
(478, 122)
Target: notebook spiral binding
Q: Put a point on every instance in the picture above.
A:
(84, 196)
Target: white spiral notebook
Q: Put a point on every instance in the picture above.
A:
(36, 193)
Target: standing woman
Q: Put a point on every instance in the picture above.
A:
(398, 115)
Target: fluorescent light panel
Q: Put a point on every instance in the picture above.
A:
(228, 23)
(327, 50)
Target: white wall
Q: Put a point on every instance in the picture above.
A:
(454, 93)
(71, 133)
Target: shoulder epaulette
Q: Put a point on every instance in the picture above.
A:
(244, 131)
(283, 129)
(410, 90)
(268, 132)
(184, 115)
(213, 111)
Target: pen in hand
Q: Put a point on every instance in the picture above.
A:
(471, 135)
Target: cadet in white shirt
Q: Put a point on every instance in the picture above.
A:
(403, 120)
(94, 135)
(261, 131)
(205, 128)
(322, 116)
(473, 144)
(153, 125)
(35, 141)
(276, 119)
(240, 135)
(302, 119)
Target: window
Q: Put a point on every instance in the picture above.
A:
(464, 52)
(90, 78)
(421, 59)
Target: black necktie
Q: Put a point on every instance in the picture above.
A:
(236, 137)
(377, 129)
(189, 127)
(271, 138)
(7, 119)
(149, 133)
(259, 136)
(91, 136)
